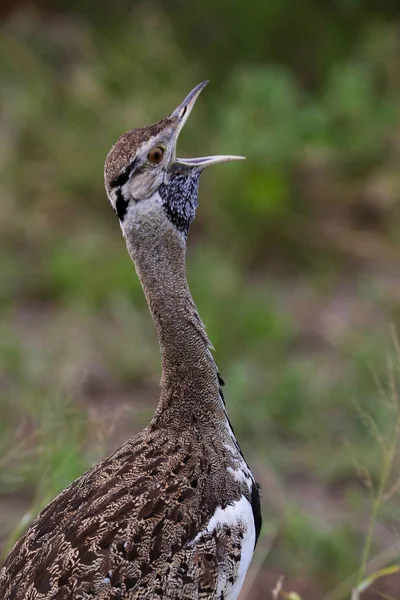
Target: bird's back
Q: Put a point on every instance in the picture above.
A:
(161, 517)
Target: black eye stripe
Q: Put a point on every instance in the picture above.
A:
(123, 177)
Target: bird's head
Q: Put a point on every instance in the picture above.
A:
(146, 182)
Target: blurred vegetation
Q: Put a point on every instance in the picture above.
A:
(292, 259)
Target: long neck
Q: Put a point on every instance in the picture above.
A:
(189, 381)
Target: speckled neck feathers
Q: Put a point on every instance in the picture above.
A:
(179, 196)
(189, 382)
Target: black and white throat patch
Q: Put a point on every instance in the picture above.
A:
(179, 195)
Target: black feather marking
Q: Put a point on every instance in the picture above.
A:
(256, 508)
(222, 396)
(121, 205)
(123, 177)
(179, 197)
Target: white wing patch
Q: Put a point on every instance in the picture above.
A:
(239, 514)
(242, 475)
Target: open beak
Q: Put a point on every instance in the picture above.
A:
(181, 114)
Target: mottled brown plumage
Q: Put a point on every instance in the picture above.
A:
(130, 519)
(174, 513)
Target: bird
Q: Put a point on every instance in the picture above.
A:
(175, 511)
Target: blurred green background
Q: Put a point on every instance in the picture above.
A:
(293, 258)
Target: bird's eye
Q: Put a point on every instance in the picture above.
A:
(155, 155)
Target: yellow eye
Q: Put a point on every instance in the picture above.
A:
(155, 155)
